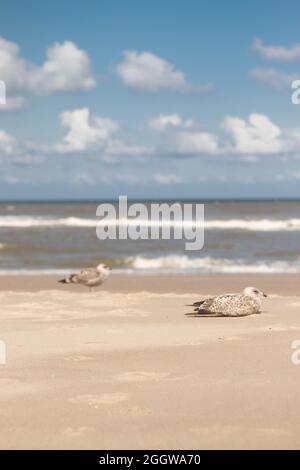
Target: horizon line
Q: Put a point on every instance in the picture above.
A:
(130, 199)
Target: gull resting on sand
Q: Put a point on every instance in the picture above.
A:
(232, 305)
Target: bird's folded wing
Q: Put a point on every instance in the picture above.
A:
(214, 301)
(87, 274)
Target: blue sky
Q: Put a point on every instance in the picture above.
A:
(149, 99)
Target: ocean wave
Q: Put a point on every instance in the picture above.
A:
(208, 265)
(35, 272)
(176, 264)
(8, 221)
(256, 225)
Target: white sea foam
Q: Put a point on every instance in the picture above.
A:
(174, 263)
(28, 222)
(259, 225)
(34, 272)
(8, 221)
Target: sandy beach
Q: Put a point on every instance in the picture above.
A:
(125, 367)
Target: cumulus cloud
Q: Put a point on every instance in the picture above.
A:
(194, 142)
(11, 179)
(247, 139)
(165, 121)
(256, 136)
(280, 53)
(85, 132)
(94, 135)
(273, 78)
(146, 71)
(83, 179)
(130, 179)
(167, 180)
(16, 151)
(13, 102)
(66, 68)
(102, 138)
(118, 147)
(182, 137)
(292, 140)
(125, 178)
(8, 145)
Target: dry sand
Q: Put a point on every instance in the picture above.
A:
(126, 368)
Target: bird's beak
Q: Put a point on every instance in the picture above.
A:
(265, 295)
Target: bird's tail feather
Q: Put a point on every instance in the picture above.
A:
(197, 304)
(204, 312)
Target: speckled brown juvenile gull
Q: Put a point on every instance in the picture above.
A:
(90, 277)
(232, 305)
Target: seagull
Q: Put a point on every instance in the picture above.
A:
(90, 277)
(232, 305)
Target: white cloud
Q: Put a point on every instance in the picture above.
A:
(292, 140)
(94, 135)
(13, 102)
(85, 132)
(118, 147)
(194, 142)
(165, 121)
(182, 137)
(286, 54)
(103, 138)
(15, 151)
(273, 78)
(129, 179)
(8, 145)
(83, 179)
(248, 138)
(67, 68)
(166, 180)
(145, 71)
(12, 180)
(257, 136)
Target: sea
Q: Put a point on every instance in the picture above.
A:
(239, 237)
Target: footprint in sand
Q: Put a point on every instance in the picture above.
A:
(77, 432)
(216, 429)
(282, 328)
(115, 331)
(78, 358)
(126, 312)
(9, 381)
(103, 399)
(195, 343)
(136, 411)
(142, 376)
